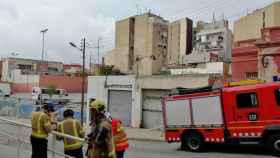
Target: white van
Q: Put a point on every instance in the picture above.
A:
(5, 90)
(42, 93)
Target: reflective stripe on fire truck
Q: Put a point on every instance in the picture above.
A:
(218, 140)
(252, 134)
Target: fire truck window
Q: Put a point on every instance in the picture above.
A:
(277, 96)
(247, 100)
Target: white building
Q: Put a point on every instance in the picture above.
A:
(137, 101)
(211, 39)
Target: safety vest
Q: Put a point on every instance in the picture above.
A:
(41, 125)
(120, 136)
(71, 127)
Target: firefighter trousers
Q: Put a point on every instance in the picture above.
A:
(39, 147)
(120, 154)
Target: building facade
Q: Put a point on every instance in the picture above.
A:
(29, 66)
(249, 26)
(211, 38)
(72, 69)
(269, 54)
(141, 45)
(137, 100)
(247, 32)
(179, 40)
(245, 60)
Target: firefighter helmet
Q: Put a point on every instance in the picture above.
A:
(98, 105)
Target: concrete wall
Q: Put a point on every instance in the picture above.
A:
(208, 68)
(249, 27)
(269, 63)
(23, 83)
(143, 45)
(244, 60)
(149, 39)
(174, 43)
(121, 51)
(110, 58)
(97, 88)
(177, 40)
(139, 37)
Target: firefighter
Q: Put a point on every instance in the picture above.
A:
(101, 143)
(120, 138)
(72, 127)
(41, 127)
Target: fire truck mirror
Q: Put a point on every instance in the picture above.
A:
(252, 116)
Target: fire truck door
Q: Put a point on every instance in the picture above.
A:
(247, 108)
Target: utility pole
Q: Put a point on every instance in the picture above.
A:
(98, 53)
(90, 62)
(83, 81)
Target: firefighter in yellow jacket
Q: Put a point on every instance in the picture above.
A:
(41, 127)
(72, 127)
(101, 144)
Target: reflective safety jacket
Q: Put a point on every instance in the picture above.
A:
(120, 136)
(71, 127)
(41, 125)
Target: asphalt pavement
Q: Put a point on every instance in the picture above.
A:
(148, 149)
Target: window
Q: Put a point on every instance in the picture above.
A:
(277, 96)
(247, 100)
(251, 75)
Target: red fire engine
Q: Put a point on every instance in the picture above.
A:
(234, 114)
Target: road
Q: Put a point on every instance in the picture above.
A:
(140, 149)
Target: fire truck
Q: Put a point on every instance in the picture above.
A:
(236, 113)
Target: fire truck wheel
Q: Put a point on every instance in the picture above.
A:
(194, 142)
(273, 144)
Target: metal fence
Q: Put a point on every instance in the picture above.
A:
(22, 108)
(15, 129)
(18, 133)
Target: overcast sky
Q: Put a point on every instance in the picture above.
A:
(70, 20)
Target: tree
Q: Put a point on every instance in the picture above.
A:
(51, 89)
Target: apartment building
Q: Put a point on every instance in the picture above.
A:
(179, 40)
(249, 26)
(29, 66)
(140, 45)
(211, 40)
(248, 30)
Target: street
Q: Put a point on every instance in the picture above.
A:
(140, 149)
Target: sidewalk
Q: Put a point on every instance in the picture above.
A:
(140, 134)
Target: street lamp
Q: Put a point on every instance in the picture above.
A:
(43, 45)
(83, 49)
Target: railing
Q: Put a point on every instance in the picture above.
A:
(20, 140)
